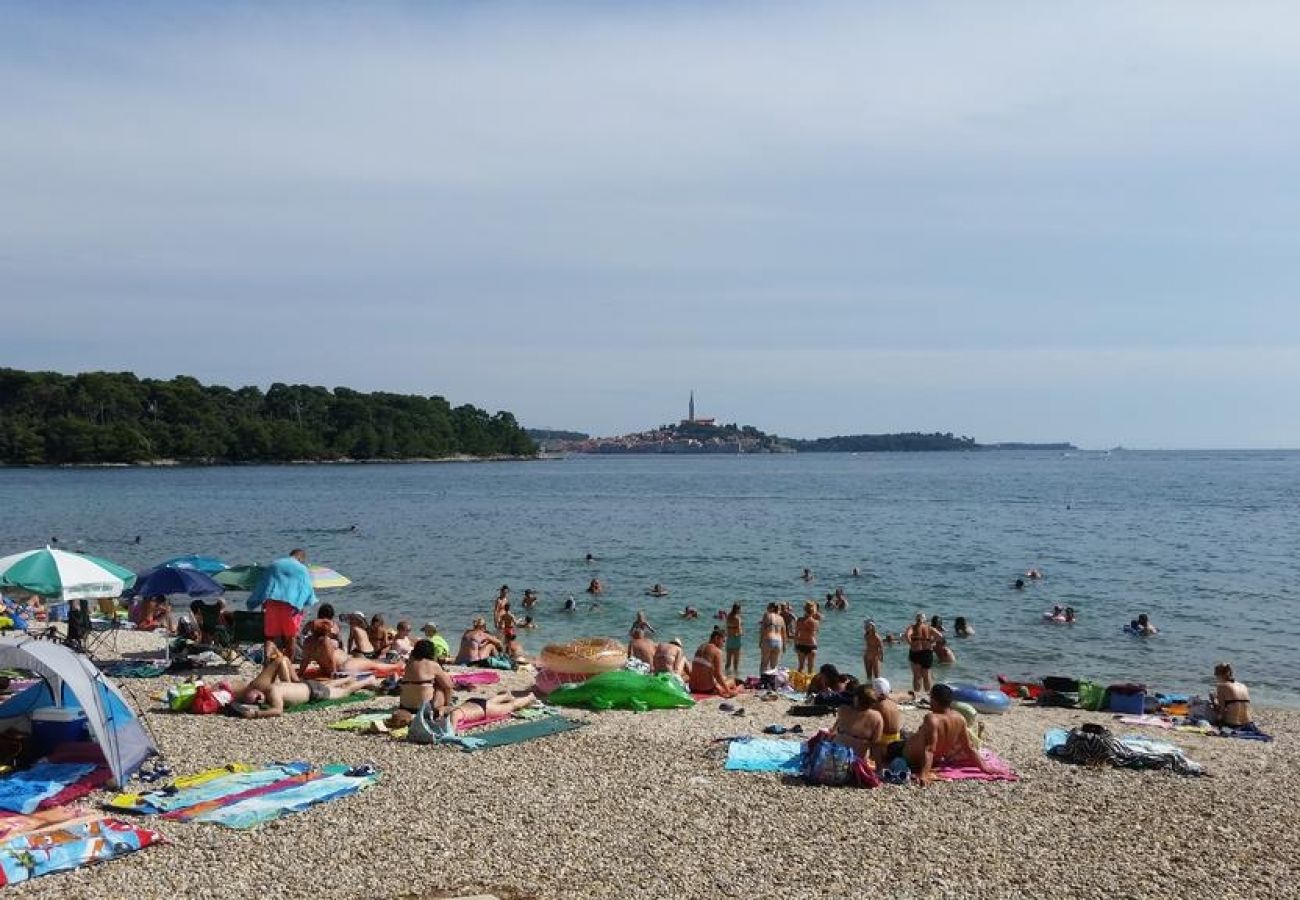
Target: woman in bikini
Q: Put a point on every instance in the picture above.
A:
(943, 654)
(1231, 699)
(805, 637)
(873, 651)
(920, 654)
(859, 725)
(892, 716)
(451, 719)
(422, 681)
(359, 643)
(735, 633)
(476, 644)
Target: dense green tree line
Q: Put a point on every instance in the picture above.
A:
(101, 417)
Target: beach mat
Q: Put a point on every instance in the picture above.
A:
(326, 704)
(241, 797)
(70, 846)
(23, 792)
(478, 676)
(765, 755)
(1000, 770)
(524, 731)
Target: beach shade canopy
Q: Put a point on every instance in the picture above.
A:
(66, 576)
(208, 565)
(244, 578)
(71, 680)
(165, 580)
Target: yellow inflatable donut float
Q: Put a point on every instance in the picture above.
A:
(583, 656)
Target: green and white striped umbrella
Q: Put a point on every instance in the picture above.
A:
(67, 576)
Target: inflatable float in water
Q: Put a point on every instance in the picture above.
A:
(990, 701)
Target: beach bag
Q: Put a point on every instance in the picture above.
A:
(829, 763)
(206, 701)
(180, 696)
(425, 728)
(1092, 696)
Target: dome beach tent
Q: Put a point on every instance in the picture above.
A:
(69, 679)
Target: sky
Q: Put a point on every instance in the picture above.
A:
(1015, 221)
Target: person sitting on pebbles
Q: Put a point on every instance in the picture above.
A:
(423, 681)
(1231, 698)
(330, 658)
(359, 643)
(641, 647)
(942, 739)
(707, 673)
(859, 725)
(669, 657)
(441, 649)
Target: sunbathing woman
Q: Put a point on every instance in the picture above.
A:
(859, 725)
(475, 709)
(477, 644)
(359, 643)
(707, 674)
(892, 715)
(1231, 699)
(330, 658)
(423, 681)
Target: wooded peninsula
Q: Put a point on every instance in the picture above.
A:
(47, 418)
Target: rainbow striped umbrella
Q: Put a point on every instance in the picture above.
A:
(244, 578)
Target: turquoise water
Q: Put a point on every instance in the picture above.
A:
(1207, 543)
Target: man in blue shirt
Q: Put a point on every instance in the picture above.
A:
(284, 591)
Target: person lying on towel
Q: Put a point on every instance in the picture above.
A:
(276, 688)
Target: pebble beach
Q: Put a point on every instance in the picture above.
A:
(638, 805)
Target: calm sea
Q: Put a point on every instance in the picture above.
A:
(1208, 544)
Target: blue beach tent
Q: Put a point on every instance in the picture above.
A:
(71, 680)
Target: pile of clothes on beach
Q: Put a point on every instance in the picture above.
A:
(1094, 745)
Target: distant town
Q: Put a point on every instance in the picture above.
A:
(703, 434)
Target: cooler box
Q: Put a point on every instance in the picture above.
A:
(54, 726)
(1128, 704)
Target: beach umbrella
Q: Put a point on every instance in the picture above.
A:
(208, 565)
(165, 580)
(66, 576)
(244, 578)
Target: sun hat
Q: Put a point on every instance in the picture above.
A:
(677, 641)
(881, 686)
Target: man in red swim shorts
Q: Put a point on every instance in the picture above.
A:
(284, 590)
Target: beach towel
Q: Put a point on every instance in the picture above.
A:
(190, 813)
(1000, 770)
(13, 824)
(1147, 721)
(359, 722)
(1098, 746)
(525, 731)
(260, 808)
(86, 784)
(465, 679)
(70, 846)
(22, 792)
(326, 704)
(132, 668)
(1248, 732)
(765, 755)
(226, 784)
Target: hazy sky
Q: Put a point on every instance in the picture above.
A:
(1014, 221)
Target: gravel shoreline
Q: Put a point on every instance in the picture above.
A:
(639, 806)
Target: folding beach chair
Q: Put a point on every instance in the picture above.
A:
(240, 631)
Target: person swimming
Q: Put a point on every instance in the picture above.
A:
(690, 612)
(1020, 584)
(657, 590)
(961, 627)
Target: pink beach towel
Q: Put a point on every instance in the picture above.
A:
(479, 723)
(1001, 771)
(483, 676)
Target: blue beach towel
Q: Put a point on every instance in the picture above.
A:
(254, 811)
(765, 755)
(23, 791)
